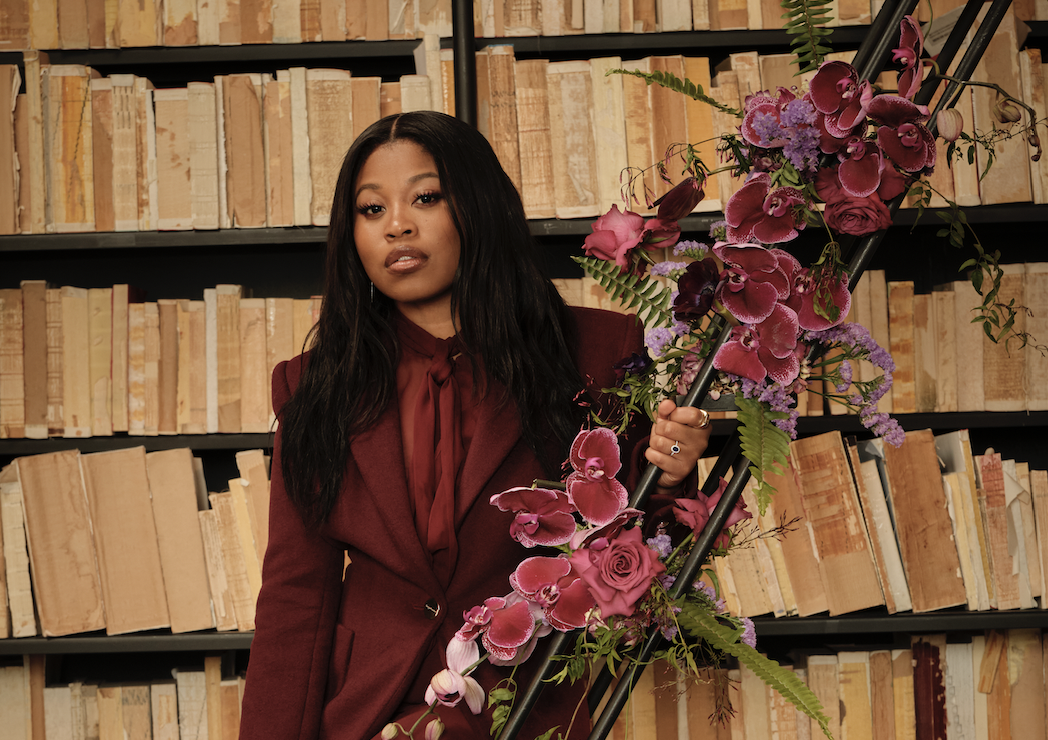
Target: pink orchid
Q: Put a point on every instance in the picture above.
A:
(434, 729)
(618, 572)
(860, 169)
(694, 513)
(556, 588)
(893, 111)
(837, 92)
(911, 146)
(753, 281)
(756, 211)
(452, 685)
(911, 44)
(592, 487)
(763, 350)
(758, 107)
(503, 625)
(541, 516)
(586, 537)
(805, 291)
(615, 236)
(738, 514)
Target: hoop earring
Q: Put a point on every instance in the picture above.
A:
(372, 292)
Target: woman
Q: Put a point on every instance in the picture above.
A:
(444, 369)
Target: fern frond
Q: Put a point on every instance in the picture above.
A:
(805, 22)
(685, 87)
(700, 623)
(649, 297)
(763, 444)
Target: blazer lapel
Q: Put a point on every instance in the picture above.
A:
(379, 456)
(495, 436)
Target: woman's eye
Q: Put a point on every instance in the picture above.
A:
(369, 210)
(427, 198)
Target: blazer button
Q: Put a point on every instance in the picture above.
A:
(431, 609)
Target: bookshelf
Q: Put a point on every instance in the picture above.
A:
(288, 262)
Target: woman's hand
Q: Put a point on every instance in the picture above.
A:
(678, 438)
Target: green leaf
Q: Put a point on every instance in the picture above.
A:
(648, 296)
(672, 82)
(763, 444)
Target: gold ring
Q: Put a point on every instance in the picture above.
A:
(705, 418)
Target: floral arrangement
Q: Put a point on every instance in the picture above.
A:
(828, 158)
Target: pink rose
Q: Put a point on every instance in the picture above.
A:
(619, 573)
(857, 216)
(615, 236)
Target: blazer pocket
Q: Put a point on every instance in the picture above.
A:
(338, 668)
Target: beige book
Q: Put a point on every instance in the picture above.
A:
(824, 681)
(5, 612)
(522, 18)
(136, 368)
(402, 19)
(570, 289)
(866, 468)
(224, 220)
(1008, 180)
(256, 22)
(66, 580)
(1004, 366)
(922, 522)
(167, 367)
(367, 103)
(878, 323)
(110, 712)
(1026, 523)
(960, 688)
(1035, 296)
(856, 708)
(12, 365)
(69, 130)
(174, 177)
(502, 88)
(971, 388)
(415, 93)
(16, 555)
(280, 344)
(570, 95)
(191, 689)
(1033, 93)
(801, 562)
(978, 697)
(609, 125)
(208, 24)
(640, 151)
(119, 371)
(674, 15)
(163, 703)
(1014, 495)
(147, 164)
(989, 471)
(301, 322)
(180, 23)
(254, 383)
(228, 357)
(535, 146)
(37, 71)
(356, 20)
(332, 20)
(771, 570)
(254, 481)
(55, 415)
(1027, 690)
(943, 313)
(725, 90)
(138, 24)
(300, 146)
(135, 712)
(309, 15)
(122, 171)
(287, 22)
(192, 364)
(669, 122)
(76, 377)
(203, 154)
(221, 594)
(211, 357)
(965, 175)
(389, 98)
(926, 361)
(329, 103)
(58, 711)
(832, 507)
(213, 691)
(230, 29)
(117, 487)
(902, 685)
(1039, 495)
(882, 696)
(152, 370)
(957, 498)
(15, 33)
(277, 143)
(701, 133)
(245, 159)
(179, 539)
(592, 16)
(246, 527)
(900, 332)
(10, 81)
(756, 709)
(234, 559)
(776, 70)
(100, 336)
(25, 177)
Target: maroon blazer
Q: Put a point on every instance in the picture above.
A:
(334, 658)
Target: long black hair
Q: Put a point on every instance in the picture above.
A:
(511, 320)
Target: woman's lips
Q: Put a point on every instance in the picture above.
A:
(404, 260)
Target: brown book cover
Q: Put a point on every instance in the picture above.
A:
(151, 381)
(123, 294)
(533, 128)
(146, 133)
(640, 149)
(191, 688)
(1039, 494)
(900, 332)
(100, 328)
(309, 19)
(856, 710)
(571, 130)
(902, 686)
(72, 24)
(926, 364)
(609, 127)
(136, 368)
(254, 382)
(377, 19)
(1004, 364)
(102, 121)
(999, 699)
(329, 103)
(882, 696)
(203, 154)
(167, 367)
(1035, 296)
(824, 681)
(280, 339)
(929, 686)
(943, 311)
(178, 536)
(68, 129)
(701, 133)
(66, 581)
(229, 24)
(21, 127)
(163, 705)
(228, 347)
(245, 159)
(138, 24)
(256, 22)
(110, 712)
(14, 35)
(135, 712)
(174, 177)
(10, 81)
(254, 479)
(55, 414)
(16, 555)
(989, 471)
(367, 103)
(37, 70)
(277, 131)
(233, 558)
(502, 91)
(192, 362)
(831, 506)
(287, 21)
(12, 365)
(117, 487)
(122, 172)
(180, 23)
(5, 613)
(1026, 675)
(923, 524)
(971, 388)
(76, 372)
(221, 594)
(332, 20)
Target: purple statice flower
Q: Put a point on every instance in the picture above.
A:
(749, 634)
(665, 269)
(846, 376)
(658, 341)
(719, 230)
(797, 113)
(661, 544)
(689, 248)
(767, 128)
(882, 425)
(669, 631)
(680, 328)
(666, 580)
(778, 397)
(802, 149)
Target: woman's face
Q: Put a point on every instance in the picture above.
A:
(404, 233)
